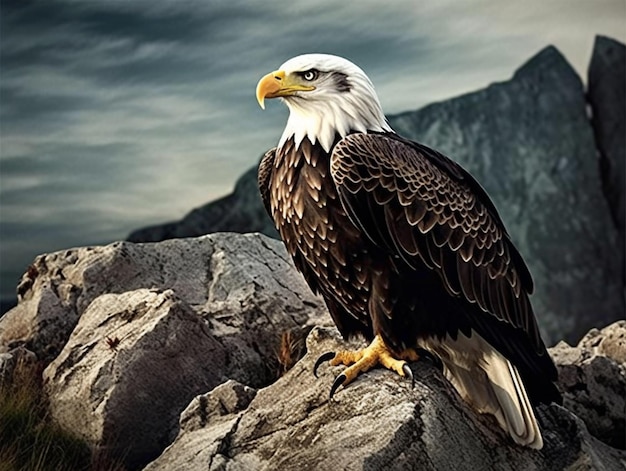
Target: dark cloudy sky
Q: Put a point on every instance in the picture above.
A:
(119, 114)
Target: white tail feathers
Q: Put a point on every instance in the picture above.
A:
(490, 383)
(519, 419)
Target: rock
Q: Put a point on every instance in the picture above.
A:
(133, 362)
(241, 211)
(245, 285)
(227, 398)
(44, 317)
(219, 406)
(529, 143)
(592, 376)
(159, 325)
(607, 95)
(153, 325)
(378, 422)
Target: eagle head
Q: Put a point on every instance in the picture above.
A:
(327, 96)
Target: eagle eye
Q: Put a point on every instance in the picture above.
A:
(309, 75)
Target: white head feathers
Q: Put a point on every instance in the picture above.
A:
(344, 101)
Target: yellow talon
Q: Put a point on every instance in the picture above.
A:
(360, 361)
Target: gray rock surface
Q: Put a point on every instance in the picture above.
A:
(219, 406)
(241, 211)
(607, 97)
(227, 398)
(245, 285)
(377, 423)
(592, 376)
(529, 143)
(132, 363)
(177, 343)
(136, 330)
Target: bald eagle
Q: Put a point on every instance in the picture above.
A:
(404, 245)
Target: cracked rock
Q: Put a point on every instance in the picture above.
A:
(244, 285)
(135, 331)
(607, 96)
(131, 365)
(227, 398)
(376, 423)
(592, 376)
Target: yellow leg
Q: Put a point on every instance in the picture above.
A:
(359, 361)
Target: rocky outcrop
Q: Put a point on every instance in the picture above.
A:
(133, 362)
(592, 376)
(153, 325)
(236, 280)
(530, 144)
(607, 95)
(15, 359)
(378, 422)
(241, 211)
(178, 343)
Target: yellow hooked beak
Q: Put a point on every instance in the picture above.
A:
(277, 84)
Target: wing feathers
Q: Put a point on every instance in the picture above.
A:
(416, 211)
(427, 222)
(424, 209)
(263, 176)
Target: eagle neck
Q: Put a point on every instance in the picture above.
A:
(322, 121)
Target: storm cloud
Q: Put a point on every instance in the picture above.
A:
(116, 114)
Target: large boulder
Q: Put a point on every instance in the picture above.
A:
(199, 323)
(132, 364)
(134, 331)
(378, 422)
(607, 95)
(528, 141)
(592, 376)
(245, 284)
(240, 211)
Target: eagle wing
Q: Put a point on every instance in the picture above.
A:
(346, 321)
(425, 209)
(263, 177)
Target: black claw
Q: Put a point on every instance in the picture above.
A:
(324, 357)
(409, 374)
(339, 380)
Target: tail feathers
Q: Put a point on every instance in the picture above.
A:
(519, 417)
(491, 384)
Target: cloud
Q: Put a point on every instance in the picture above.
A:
(120, 114)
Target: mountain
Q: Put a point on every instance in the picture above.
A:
(555, 175)
(241, 211)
